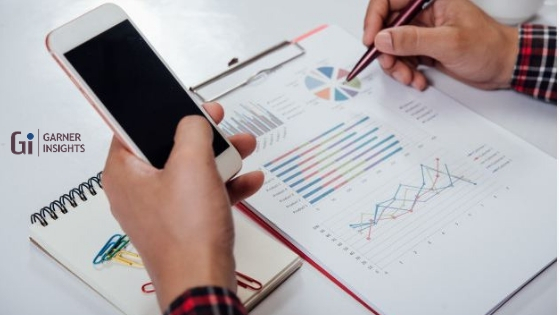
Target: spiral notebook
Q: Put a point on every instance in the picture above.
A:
(75, 227)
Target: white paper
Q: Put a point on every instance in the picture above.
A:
(414, 202)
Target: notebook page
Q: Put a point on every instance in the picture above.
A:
(77, 236)
(260, 257)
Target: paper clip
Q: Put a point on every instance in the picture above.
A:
(122, 242)
(114, 249)
(247, 282)
(100, 257)
(128, 258)
(243, 281)
(148, 288)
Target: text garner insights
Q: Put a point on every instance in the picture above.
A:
(52, 146)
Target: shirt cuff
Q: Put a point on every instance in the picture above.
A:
(206, 301)
(535, 70)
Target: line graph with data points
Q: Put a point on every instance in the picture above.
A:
(394, 217)
(434, 181)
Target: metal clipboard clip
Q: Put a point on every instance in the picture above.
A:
(248, 71)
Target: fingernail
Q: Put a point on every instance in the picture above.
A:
(398, 76)
(365, 39)
(383, 61)
(384, 40)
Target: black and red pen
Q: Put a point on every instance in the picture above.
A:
(406, 15)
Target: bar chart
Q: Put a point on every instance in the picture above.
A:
(334, 158)
(250, 118)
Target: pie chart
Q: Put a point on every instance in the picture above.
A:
(329, 84)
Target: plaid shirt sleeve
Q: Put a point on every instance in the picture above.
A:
(206, 301)
(535, 69)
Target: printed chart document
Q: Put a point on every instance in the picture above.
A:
(413, 202)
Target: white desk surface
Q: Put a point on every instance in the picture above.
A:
(197, 38)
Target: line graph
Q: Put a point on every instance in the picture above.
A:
(408, 207)
(434, 181)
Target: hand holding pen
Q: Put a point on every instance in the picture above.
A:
(454, 36)
(405, 16)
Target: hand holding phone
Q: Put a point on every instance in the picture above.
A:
(130, 86)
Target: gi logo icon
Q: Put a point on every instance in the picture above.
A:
(21, 147)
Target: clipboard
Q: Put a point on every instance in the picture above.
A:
(302, 96)
(253, 69)
(242, 74)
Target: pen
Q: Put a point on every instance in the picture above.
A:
(406, 15)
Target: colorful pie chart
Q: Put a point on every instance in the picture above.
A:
(329, 83)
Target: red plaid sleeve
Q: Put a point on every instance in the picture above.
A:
(206, 301)
(535, 69)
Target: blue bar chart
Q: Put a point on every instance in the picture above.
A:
(334, 158)
(250, 118)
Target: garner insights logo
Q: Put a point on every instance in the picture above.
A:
(53, 143)
(21, 147)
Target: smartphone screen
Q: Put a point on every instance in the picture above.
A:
(137, 89)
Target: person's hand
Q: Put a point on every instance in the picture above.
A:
(179, 218)
(455, 36)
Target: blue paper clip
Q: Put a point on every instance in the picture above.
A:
(111, 243)
(120, 245)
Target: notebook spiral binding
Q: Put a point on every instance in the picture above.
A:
(69, 198)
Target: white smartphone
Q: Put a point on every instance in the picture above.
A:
(130, 86)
